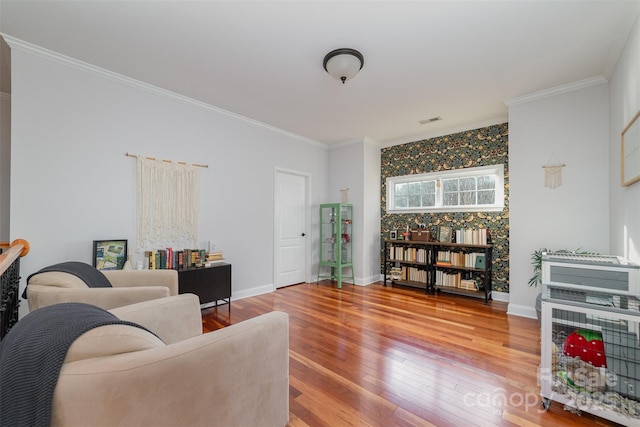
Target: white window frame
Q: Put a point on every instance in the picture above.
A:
(496, 170)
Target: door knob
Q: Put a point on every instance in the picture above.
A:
(303, 234)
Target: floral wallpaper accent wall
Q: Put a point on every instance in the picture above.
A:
(479, 147)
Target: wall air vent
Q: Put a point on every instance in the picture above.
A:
(431, 120)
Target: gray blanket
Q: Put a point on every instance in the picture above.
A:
(85, 272)
(31, 356)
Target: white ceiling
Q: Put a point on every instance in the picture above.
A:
(460, 60)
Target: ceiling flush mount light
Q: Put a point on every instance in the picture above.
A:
(343, 64)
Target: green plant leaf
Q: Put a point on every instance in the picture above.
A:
(536, 262)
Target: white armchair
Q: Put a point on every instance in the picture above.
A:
(128, 287)
(119, 375)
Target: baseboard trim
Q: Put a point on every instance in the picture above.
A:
(252, 292)
(514, 309)
(500, 296)
(522, 311)
(367, 280)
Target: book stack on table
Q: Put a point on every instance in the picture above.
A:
(214, 258)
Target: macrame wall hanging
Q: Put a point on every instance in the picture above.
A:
(553, 172)
(167, 203)
(345, 195)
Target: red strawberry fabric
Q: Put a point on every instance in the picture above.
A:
(587, 345)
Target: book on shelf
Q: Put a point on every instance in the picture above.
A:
(214, 263)
(214, 256)
(460, 259)
(180, 260)
(470, 236)
(148, 260)
(402, 253)
(443, 258)
(162, 259)
(414, 274)
(168, 258)
(469, 285)
(447, 279)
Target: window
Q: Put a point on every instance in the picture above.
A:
(420, 194)
(471, 189)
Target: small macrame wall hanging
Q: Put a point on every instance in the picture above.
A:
(345, 195)
(553, 172)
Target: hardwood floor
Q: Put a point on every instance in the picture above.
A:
(376, 356)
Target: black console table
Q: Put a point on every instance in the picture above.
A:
(211, 284)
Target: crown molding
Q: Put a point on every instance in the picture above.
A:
(557, 90)
(5, 96)
(346, 143)
(365, 140)
(448, 131)
(76, 64)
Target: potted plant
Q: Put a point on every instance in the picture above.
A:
(536, 279)
(536, 262)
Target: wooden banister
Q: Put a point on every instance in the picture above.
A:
(17, 248)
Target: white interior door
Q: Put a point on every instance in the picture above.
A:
(290, 228)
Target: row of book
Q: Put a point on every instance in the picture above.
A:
(413, 274)
(170, 259)
(460, 259)
(455, 280)
(443, 279)
(448, 280)
(408, 254)
(473, 237)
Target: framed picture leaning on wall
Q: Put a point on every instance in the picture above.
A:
(109, 254)
(444, 234)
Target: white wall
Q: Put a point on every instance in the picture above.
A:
(624, 87)
(371, 220)
(5, 163)
(71, 183)
(5, 137)
(573, 125)
(356, 166)
(346, 171)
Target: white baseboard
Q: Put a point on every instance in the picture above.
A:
(513, 309)
(359, 281)
(522, 311)
(258, 290)
(367, 280)
(500, 296)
